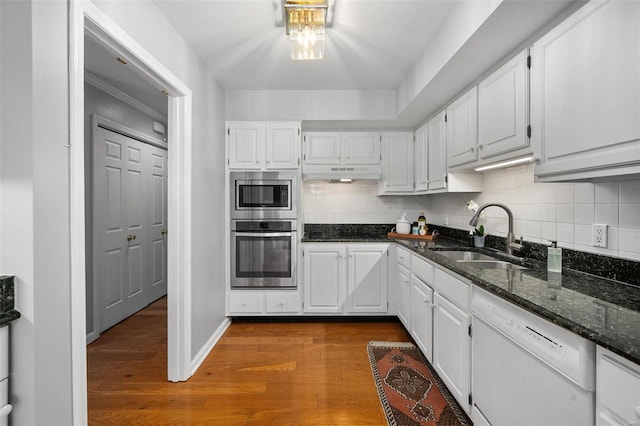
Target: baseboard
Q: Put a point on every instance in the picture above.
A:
(204, 351)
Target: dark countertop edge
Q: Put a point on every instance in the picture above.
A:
(8, 317)
(630, 353)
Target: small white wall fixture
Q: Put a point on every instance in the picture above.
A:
(84, 16)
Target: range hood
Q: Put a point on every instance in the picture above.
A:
(336, 172)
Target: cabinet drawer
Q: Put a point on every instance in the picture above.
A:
(243, 302)
(452, 288)
(618, 387)
(404, 258)
(283, 302)
(422, 269)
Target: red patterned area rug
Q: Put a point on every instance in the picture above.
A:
(410, 391)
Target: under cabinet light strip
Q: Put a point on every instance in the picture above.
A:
(522, 160)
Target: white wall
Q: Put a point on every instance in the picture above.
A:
(542, 211)
(34, 191)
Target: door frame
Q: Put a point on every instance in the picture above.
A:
(85, 16)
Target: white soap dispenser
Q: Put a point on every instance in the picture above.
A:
(554, 257)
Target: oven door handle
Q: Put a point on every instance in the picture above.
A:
(263, 234)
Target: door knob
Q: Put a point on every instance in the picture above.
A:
(163, 232)
(131, 237)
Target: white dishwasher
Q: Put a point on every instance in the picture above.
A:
(527, 371)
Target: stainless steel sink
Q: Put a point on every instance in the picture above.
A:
(462, 255)
(478, 260)
(491, 264)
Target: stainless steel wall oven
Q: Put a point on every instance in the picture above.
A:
(263, 254)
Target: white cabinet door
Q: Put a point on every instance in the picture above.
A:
(421, 159)
(502, 109)
(437, 143)
(398, 162)
(246, 145)
(367, 278)
(404, 294)
(617, 389)
(157, 212)
(462, 129)
(422, 316)
(361, 148)
(324, 278)
(585, 94)
(322, 148)
(283, 146)
(452, 348)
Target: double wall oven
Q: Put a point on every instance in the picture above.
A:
(263, 229)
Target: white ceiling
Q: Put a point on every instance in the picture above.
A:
(371, 45)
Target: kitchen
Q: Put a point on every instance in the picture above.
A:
(47, 310)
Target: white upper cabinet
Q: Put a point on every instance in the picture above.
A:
(421, 159)
(322, 148)
(246, 145)
(585, 94)
(397, 164)
(283, 146)
(503, 109)
(462, 129)
(263, 146)
(437, 143)
(361, 148)
(342, 148)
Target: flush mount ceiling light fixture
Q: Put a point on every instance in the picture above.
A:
(305, 23)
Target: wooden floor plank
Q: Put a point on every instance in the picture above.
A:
(259, 373)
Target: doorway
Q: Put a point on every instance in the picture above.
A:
(129, 223)
(86, 17)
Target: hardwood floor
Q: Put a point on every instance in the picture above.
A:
(260, 373)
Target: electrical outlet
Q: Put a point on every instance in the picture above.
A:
(599, 235)
(445, 219)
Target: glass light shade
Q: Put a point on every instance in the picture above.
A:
(305, 27)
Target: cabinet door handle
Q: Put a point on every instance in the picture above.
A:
(480, 147)
(131, 237)
(471, 149)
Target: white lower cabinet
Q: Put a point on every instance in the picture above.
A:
(345, 278)
(263, 302)
(617, 390)
(404, 295)
(452, 335)
(422, 316)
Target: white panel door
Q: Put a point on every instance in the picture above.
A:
(398, 162)
(361, 148)
(421, 159)
(283, 146)
(462, 129)
(367, 278)
(324, 278)
(437, 143)
(422, 316)
(404, 294)
(452, 348)
(246, 144)
(119, 226)
(502, 108)
(157, 216)
(322, 148)
(585, 93)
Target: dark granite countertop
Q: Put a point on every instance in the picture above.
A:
(602, 310)
(7, 311)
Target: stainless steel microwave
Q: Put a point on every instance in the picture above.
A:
(263, 195)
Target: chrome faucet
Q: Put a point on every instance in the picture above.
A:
(511, 241)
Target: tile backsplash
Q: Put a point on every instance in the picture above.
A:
(542, 212)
